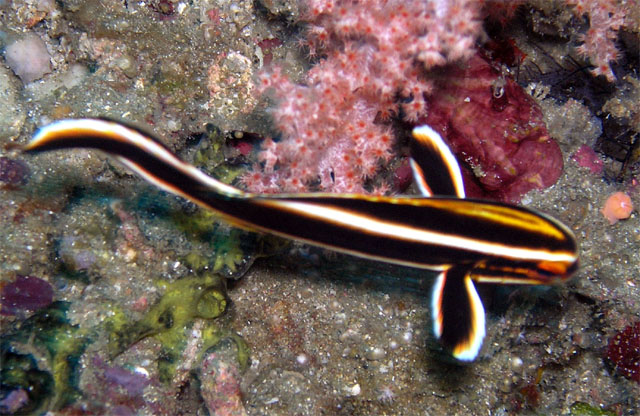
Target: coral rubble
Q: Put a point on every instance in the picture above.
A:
(624, 352)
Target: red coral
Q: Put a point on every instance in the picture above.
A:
(624, 352)
(586, 157)
(402, 176)
(494, 126)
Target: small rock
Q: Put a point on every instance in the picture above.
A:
(220, 382)
(375, 353)
(12, 112)
(352, 391)
(14, 401)
(26, 293)
(12, 172)
(133, 383)
(28, 58)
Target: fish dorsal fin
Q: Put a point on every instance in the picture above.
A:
(435, 168)
(458, 314)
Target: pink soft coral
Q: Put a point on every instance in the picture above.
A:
(375, 53)
(606, 17)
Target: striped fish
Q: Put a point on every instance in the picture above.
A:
(464, 240)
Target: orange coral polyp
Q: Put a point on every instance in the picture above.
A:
(617, 207)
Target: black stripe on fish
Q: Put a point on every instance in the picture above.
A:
(435, 168)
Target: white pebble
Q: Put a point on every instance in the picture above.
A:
(28, 58)
(516, 363)
(352, 390)
(375, 353)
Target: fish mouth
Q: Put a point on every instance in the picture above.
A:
(540, 273)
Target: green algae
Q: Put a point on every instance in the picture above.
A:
(212, 337)
(41, 357)
(20, 371)
(210, 156)
(232, 250)
(584, 409)
(184, 301)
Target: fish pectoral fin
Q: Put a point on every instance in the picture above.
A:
(435, 168)
(458, 314)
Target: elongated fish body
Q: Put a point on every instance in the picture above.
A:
(464, 240)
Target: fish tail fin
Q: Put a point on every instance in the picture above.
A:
(138, 150)
(458, 314)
